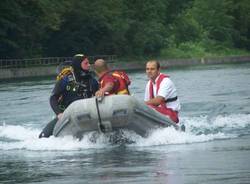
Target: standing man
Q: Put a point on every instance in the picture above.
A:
(160, 92)
(110, 82)
(73, 83)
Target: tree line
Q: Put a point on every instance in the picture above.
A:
(126, 28)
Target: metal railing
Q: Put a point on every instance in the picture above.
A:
(48, 61)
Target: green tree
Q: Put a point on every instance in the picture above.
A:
(146, 26)
(24, 26)
(215, 19)
(9, 28)
(89, 27)
(33, 28)
(240, 10)
(186, 29)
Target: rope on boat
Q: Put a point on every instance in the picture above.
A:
(100, 125)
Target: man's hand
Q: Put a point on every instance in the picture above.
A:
(99, 93)
(105, 90)
(59, 116)
(155, 101)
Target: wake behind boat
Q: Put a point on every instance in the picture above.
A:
(110, 114)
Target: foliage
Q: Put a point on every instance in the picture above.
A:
(127, 28)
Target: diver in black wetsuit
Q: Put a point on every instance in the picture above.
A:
(73, 83)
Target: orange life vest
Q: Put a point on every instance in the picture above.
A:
(123, 82)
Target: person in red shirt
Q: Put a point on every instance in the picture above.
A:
(110, 82)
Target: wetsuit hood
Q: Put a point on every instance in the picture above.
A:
(78, 71)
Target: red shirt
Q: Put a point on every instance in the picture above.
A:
(108, 78)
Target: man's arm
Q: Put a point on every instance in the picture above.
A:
(107, 88)
(156, 101)
(54, 98)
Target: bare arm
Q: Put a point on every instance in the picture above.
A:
(107, 88)
(155, 101)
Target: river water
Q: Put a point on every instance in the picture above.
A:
(214, 149)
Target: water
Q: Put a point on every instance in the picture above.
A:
(214, 149)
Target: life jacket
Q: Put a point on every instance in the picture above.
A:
(158, 82)
(123, 82)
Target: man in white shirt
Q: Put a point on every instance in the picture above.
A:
(160, 92)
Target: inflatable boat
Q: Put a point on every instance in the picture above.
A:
(109, 114)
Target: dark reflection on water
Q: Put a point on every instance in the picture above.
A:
(212, 162)
(119, 164)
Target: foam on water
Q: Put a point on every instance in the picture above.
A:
(18, 137)
(198, 129)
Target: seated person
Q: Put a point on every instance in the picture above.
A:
(110, 82)
(160, 92)
(73, 83)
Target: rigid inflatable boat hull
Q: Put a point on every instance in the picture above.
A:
(110, 114)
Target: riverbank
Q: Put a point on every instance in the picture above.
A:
(39, 71)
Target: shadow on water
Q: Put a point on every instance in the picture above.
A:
(104, 165)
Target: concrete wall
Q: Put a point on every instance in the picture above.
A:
(12, 73)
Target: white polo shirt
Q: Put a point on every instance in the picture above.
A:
(166, 90)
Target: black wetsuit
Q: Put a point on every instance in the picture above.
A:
(67, 90)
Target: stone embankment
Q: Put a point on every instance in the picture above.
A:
(39, 71)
